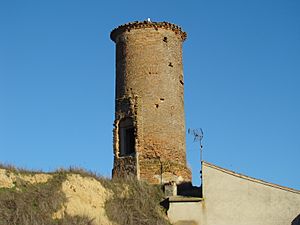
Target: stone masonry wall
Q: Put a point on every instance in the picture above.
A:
(149, 89)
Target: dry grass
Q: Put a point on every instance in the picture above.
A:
(18, 170)
(28, 204)
(134, 203)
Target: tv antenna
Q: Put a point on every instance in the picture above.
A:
(198, 136)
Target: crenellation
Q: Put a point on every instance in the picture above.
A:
(146, 24)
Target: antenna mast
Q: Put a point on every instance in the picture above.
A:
(198, 136)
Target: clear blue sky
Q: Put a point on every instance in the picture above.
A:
(242, 82)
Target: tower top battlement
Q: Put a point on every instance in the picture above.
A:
(147, 24)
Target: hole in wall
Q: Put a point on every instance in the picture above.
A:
(165, 39)
(161, 99)
(157, 105)
(170, 64)
(181, 82)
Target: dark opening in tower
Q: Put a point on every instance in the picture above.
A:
(126, 137)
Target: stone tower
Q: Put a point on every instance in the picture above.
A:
(149, 127)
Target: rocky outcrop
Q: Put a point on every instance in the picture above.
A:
(85, 196)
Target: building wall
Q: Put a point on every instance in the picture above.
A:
(149, 89)
(186, 213)
(231, 198)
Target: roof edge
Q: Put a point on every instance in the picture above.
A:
(147, 24)
(179, 198)
(230, 172)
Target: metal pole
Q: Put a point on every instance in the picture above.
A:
(201, 157)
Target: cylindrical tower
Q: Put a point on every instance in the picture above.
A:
(149, 128)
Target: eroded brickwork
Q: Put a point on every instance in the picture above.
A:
(149, 90)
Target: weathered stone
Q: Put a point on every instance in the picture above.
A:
(149, 91)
